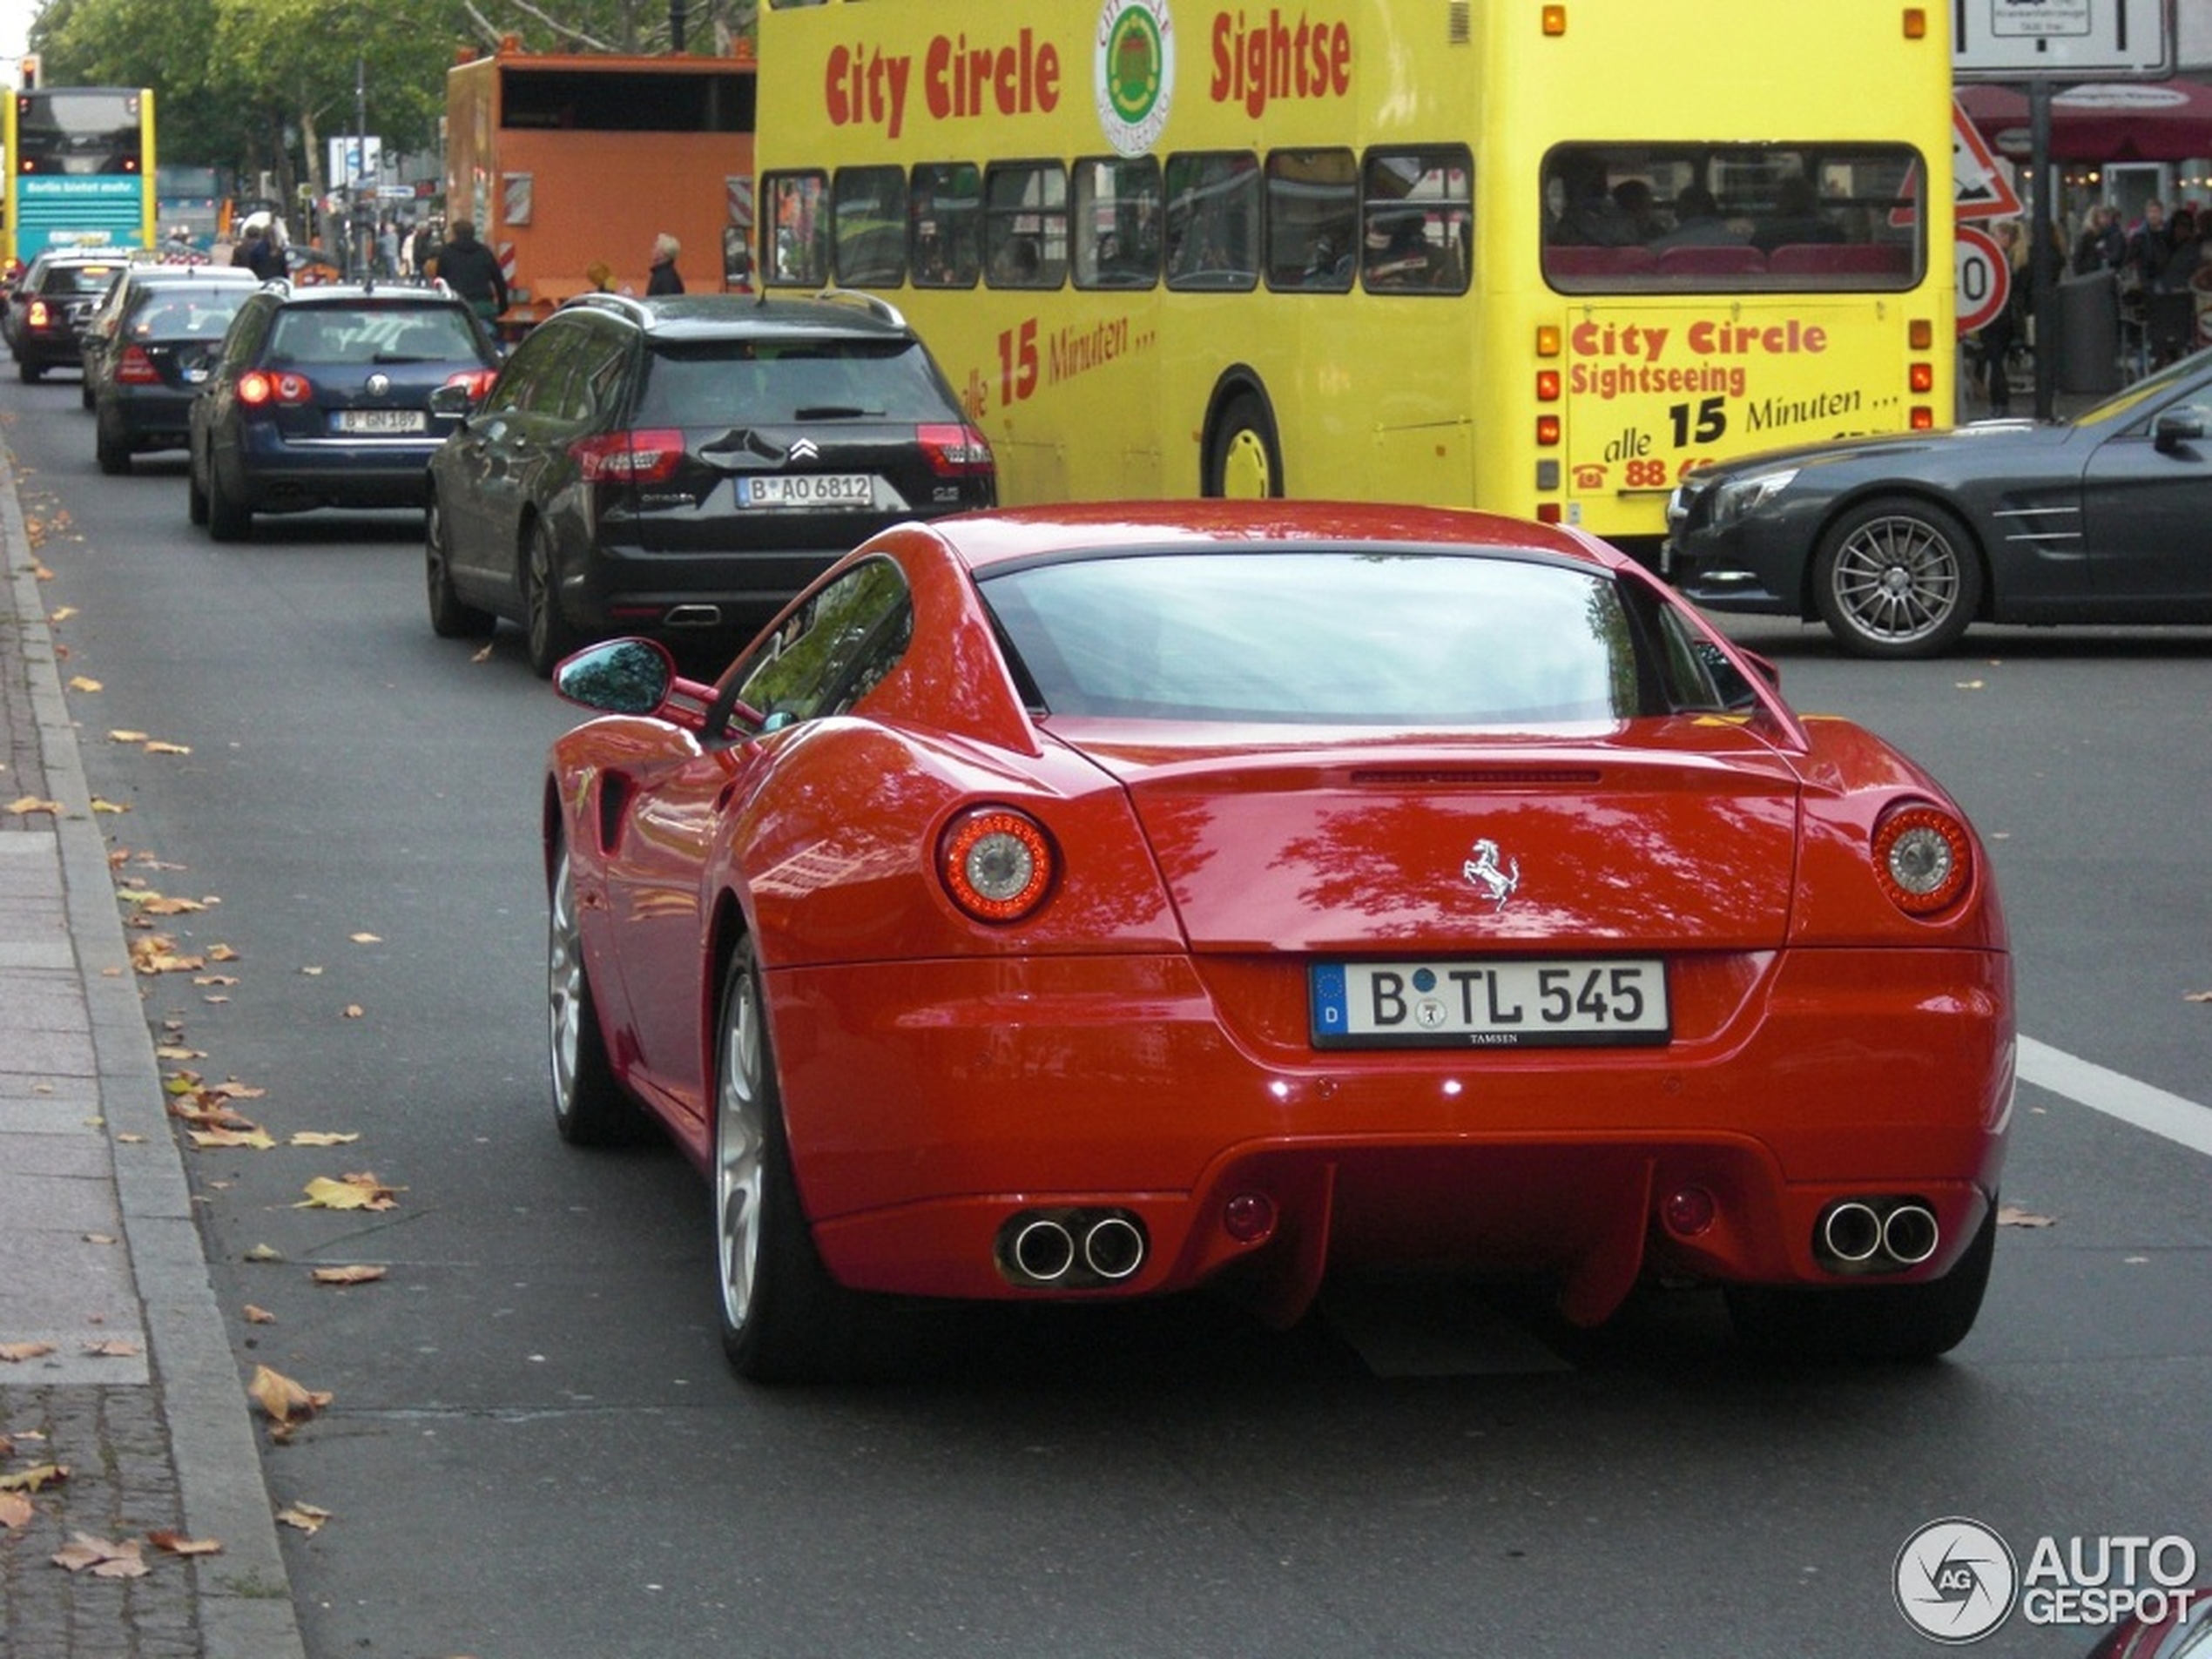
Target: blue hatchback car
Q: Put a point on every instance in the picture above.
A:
(322, 399)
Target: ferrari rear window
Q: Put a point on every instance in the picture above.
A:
(1336, 638)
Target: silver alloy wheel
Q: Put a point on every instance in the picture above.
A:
(564, 987)
(740, 1139)
(1897, 579)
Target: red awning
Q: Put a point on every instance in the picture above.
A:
(2103, 121)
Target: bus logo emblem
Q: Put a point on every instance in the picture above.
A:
(1133, 72)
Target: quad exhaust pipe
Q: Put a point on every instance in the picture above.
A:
(1875, 1235)
(1074, 1249)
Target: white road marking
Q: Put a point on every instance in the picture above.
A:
(2183, 1122)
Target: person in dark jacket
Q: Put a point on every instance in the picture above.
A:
(664, 278)
(471, 270)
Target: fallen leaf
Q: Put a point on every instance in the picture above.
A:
(2010, 1215)
(99, 805)
(24, 805)
(157, 747)
(283, 1399)
(263, 1253)
(175, 1544)
(16, 1352)
(35, 1479)
(363, 1191)
(157, 954)
(365, 939)
(259, 1316)
(222, 953)
(16, 1510)
(2197, 996)
(259, 1139)
(64, 614)
(126, 737)
(82, 683)
(119, 1559)
(305, 1516)
(483, 655)
(321, 1137)
(351, 1011)
(100, 1238)
(354, 1275)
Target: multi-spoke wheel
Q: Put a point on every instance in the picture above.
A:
(784, 1319)
(588, 1106)
(551, 635)
(1897, 578)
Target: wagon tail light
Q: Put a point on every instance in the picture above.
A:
(478, 380)
(955, 451)
(646, 457)
(258, 389)
(136, 369)
(1924, 857)
(997, 865)
(41, 316)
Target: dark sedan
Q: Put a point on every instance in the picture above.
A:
(148, 350)
(1900, 543)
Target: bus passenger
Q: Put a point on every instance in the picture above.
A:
(1589, 216)
(1797, 218)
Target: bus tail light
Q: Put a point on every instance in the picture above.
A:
(644, 457)
(1547, 431)
(955, 451)
(1923, 377)
(1555, 21)
(1923, 418)
(1547, 385)
(1920, 334)
(1916, 24)
(1548, 339)
(136, 369)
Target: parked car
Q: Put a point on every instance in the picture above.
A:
(54, 298)
(1900, 543)
(685, 466)
(322, 398)
(1104, 901)
(149, 348)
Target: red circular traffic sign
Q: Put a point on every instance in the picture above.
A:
(1984, 277)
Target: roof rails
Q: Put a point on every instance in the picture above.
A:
(605, 299)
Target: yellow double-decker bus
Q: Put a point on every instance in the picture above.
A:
(1536, 258)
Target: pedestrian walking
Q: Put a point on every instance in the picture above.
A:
(665, 278)
(471, 270)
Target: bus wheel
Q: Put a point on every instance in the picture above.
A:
(1243, 463)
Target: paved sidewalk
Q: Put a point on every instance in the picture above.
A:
(137, 1392)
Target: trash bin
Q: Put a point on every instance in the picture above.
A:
(2088, 342)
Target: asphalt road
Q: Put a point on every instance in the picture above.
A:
(533, 1448)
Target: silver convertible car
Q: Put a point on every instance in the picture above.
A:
(1900, 543)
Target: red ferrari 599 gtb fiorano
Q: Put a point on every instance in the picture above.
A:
(1100, 903)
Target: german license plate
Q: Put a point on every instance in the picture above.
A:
(808, 490)
(382, 420)
(1587, 1002)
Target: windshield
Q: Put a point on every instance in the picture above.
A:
(1325, 638)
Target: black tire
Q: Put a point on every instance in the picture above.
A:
(1244, 458)
(451, 617)
(195, 496)
(1872, 1322)
(226, 520)
(85, 395)
(588, 1106)
(28, 373)
(113, 455)
(551, 635)
(783, 1318)
(1897, 578)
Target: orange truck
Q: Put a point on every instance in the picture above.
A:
(563, 161)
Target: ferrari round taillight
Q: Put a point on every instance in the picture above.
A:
(996, 863)
(1924, 859)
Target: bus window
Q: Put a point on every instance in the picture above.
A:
(1117, 223)
(1418, 215)
(871, 226)
(1312, 219)
(1213, 220)
(797, 250)
(1025, 225)
(1731, 219)
(947, 209)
